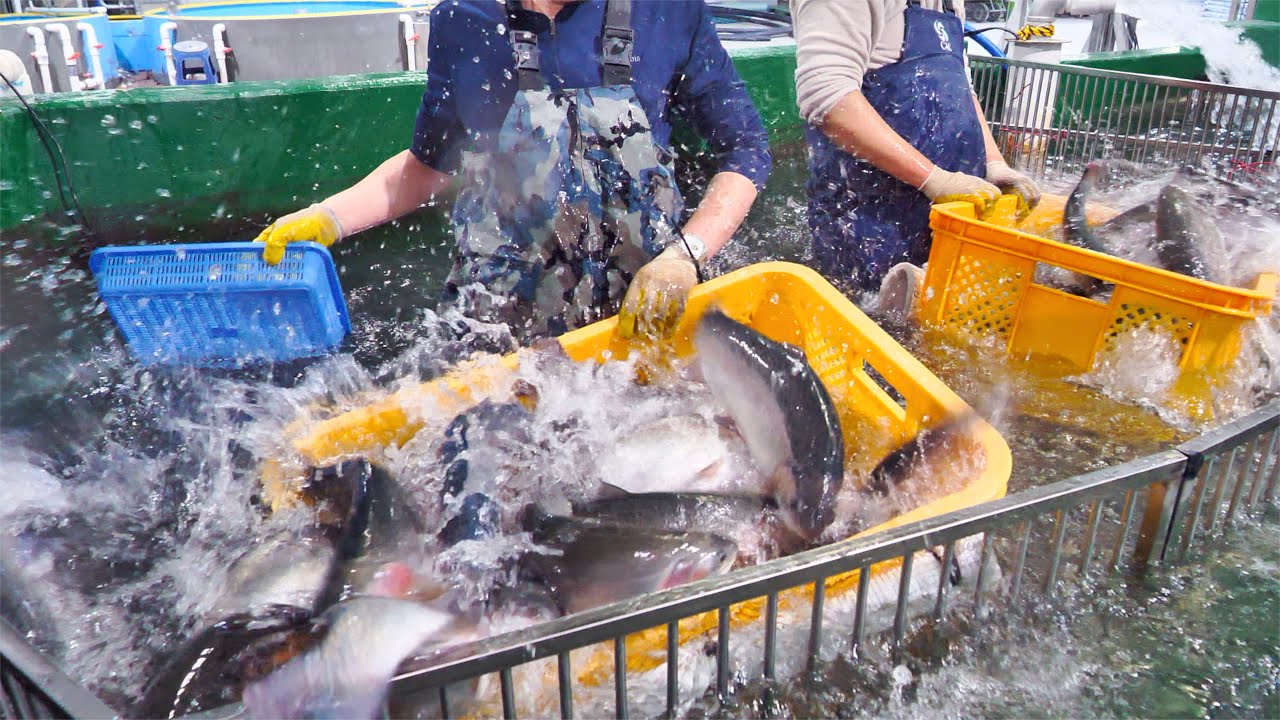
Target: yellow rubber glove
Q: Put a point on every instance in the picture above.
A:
(945, 186)
(316, 223)
(655, 300)
(1015, 183)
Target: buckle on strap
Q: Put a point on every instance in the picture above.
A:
(525, 45)
(617, 45)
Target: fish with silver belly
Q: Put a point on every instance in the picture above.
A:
(680, 454)
(1184, 234)
(751, 522)
(348, 673)
(592, 563)
(783, 412)
(263, 614)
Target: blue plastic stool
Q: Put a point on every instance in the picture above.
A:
(194, 63)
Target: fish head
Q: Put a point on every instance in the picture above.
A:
(806, 496)
(709, 556)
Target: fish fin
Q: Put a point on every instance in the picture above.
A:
(709, 471)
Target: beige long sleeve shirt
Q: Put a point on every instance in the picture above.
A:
(837, 41)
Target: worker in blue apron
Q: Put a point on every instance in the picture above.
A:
(869, 195)
(568, 210)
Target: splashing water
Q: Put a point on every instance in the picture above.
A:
(1231, 59)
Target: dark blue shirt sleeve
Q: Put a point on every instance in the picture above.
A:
(716, 103)
(438, 134)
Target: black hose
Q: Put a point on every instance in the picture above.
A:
(771, 25)
(61, 174)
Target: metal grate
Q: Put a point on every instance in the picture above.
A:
(1054, 119)
(1167, 507)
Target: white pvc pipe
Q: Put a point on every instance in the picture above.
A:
(41, 55)
(69, 54)
(220, 50)
(166, 45)
(89, 38)
(410, 41)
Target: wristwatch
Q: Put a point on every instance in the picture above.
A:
(694, 245)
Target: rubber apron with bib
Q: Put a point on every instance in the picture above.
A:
(865, 221)
(575, 198)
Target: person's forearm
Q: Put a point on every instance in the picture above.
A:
(993, 150)
(728, 199)
(860, 131)
(398, 186)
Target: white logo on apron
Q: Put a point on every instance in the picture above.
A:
(944, 41)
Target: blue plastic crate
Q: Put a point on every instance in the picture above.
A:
(219, 304)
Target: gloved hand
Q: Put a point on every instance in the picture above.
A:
(945, 186)
(656, 297)
(316, 223)
(1016, 183)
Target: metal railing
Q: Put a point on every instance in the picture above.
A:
(1054, 119)
(1159, 508)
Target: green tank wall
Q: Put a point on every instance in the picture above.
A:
(166, 157)
(1174, 62)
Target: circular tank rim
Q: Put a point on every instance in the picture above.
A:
(20, 18)
(164, 12)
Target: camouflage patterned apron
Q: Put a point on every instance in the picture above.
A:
(576, 197)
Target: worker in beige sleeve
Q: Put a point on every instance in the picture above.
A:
(893, 126)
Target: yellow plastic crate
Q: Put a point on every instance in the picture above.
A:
(980, 282)
(785, 302)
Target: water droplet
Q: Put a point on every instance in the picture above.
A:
(215, 272)
(153, 119)
(135, 124)
(163, 192)
(108, 120)
(502, 29)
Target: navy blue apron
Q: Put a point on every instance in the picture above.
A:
(865, 221)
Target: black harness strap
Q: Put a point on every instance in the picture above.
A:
(524, 45)
(618, 42)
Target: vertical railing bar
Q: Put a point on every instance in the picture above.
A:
(1096, 86)
(1260, 475)
(1056, 556)
(1242, 477)
(1221, 490)
(900, 613)
(815, 626)
(1169, 137)
(20, 696)
(620, 677)
(722, 656)
(1128, 93)
(979, 599)
(7, 708)
(673, 667)
(508, 694)
(1126, 519)
(1105, 128)
(1043, 81)
(771, 636)
(1266, 131)
(860, 609)
(564, 676)
(944, 577)
(1095, 517)
(444, 703)
(1231, 123)
(1021, 563)
(1193, 521)
(1157, 125)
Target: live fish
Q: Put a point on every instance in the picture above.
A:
(784, 413)
(348, 673)
(593, 563)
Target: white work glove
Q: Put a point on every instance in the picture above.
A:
(944, 186)
(1016, 183)
(655, 300)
